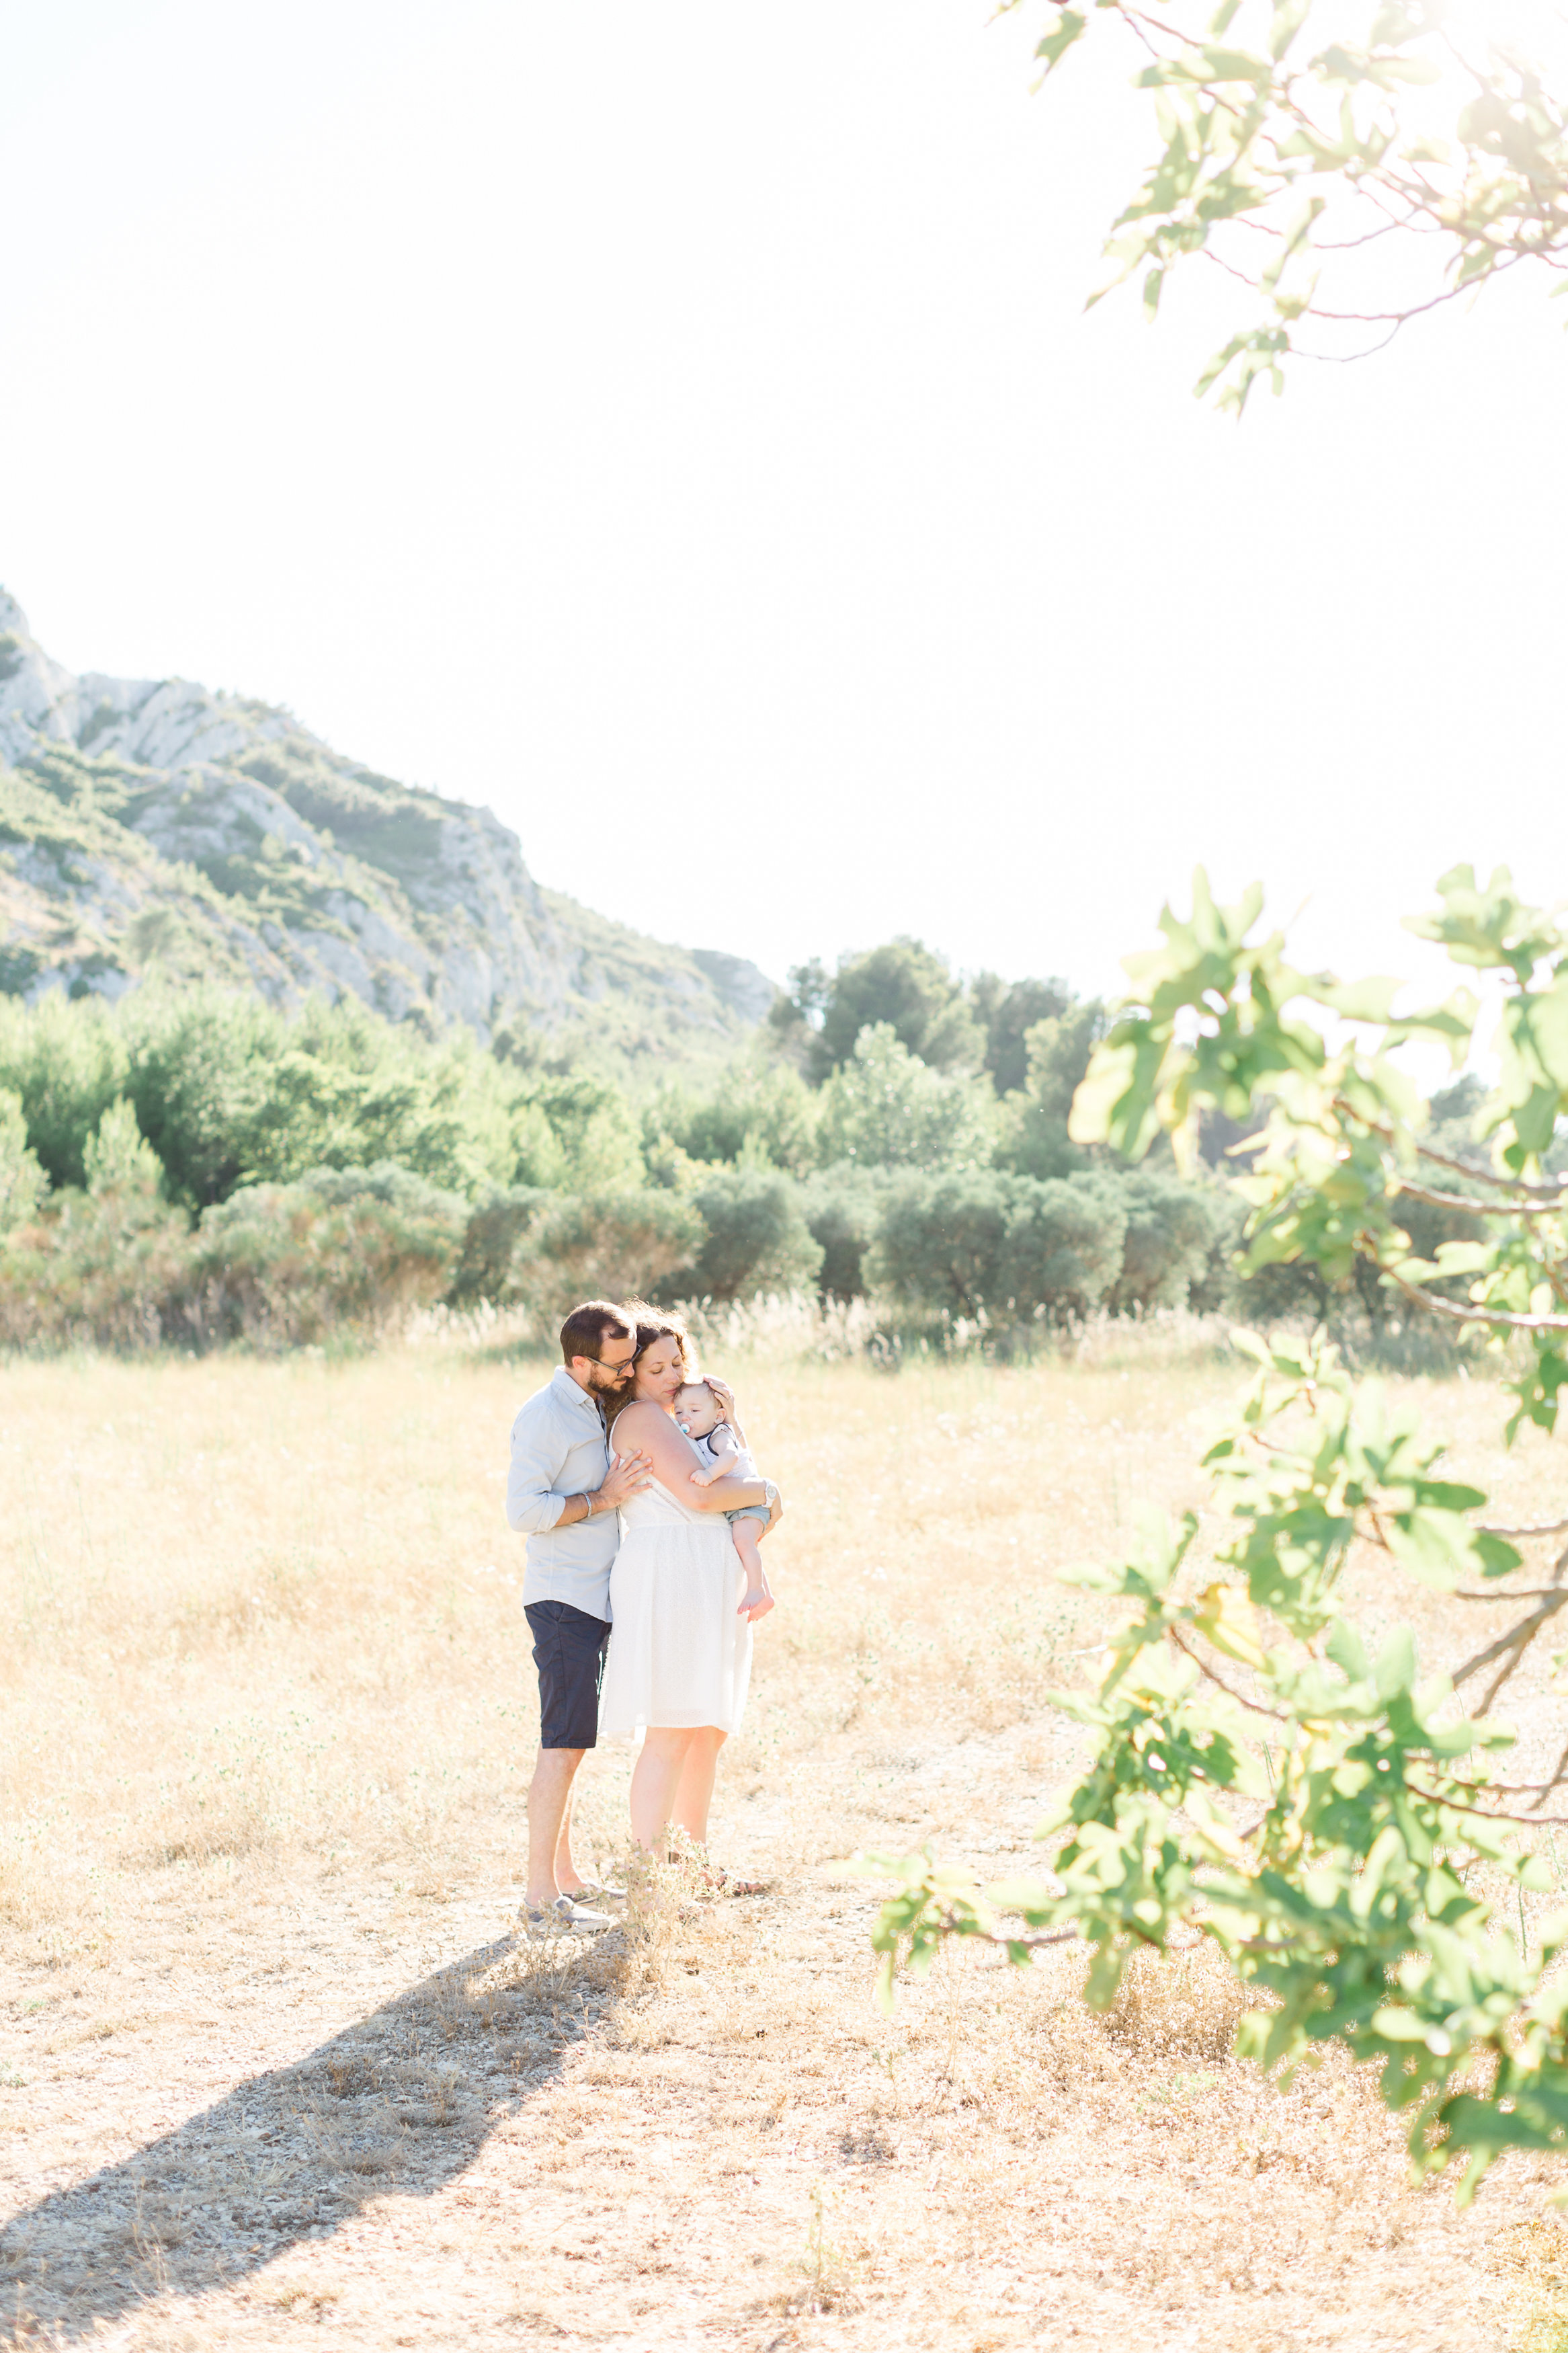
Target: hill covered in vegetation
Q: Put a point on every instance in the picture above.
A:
(150, 827)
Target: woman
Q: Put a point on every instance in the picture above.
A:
(681, 1651)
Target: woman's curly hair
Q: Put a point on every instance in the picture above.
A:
(652, 1323)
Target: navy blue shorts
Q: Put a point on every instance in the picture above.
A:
(569, 1652)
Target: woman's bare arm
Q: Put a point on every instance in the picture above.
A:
(723, 1449)
(674, 1459)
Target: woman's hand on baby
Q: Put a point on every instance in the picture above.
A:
(723, 1396)
(755, 1603)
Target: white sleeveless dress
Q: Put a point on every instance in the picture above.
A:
(681, 1652)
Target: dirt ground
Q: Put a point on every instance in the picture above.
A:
(276, 2067)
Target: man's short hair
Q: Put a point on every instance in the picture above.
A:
(588, 1327)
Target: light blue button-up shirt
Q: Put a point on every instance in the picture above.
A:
(558, 1448)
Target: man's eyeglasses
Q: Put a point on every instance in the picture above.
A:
(606, 1367)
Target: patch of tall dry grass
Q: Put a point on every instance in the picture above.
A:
(257, 1608)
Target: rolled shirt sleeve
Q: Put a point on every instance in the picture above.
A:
(559, 1450)
(538, 1458)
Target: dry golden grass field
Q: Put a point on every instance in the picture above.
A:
(276, 2069)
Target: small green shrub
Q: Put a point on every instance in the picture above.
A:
(613, 1246)
(118, 1158)
(757, 1239)
(1034, 1142)
(1066, 1245)
(105, 1271)
(1170, 1231)
(346, 1251)
(23, 1180)
(66, 1064)
(981, 1242)
(342, 1254)
(492, 1238)
(842, 1206)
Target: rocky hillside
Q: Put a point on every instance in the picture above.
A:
(147, 825)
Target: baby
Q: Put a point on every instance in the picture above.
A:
(724, 1457)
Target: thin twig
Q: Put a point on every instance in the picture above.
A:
(1416, 311)
(1539, 1528)
(1035, 1940)
(1445, 1159)
(1488, 1813)
(1509, 1668)
(1561, 1771)
(1481, 1209)
(1517, 1789)
(1348, 244)
(1514, 1593)
(1553, 1186)
(1525, 1632)
(1344, 359)
(1240, 1697)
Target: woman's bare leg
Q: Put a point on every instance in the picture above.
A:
(655, 1778)
(694, 1791)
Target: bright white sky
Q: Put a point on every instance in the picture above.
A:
(676, 425)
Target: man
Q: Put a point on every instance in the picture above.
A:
(563, 1492)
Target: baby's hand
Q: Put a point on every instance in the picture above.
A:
(705, 1478)
(755, 1604)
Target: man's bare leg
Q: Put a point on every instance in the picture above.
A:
(568, 1878)
(549, 1821)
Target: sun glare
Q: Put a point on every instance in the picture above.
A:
(1529, 30)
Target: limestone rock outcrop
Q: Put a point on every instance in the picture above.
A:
(148, 824)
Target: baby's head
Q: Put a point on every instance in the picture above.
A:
(696, 1409)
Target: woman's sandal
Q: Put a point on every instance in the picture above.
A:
(725, 1883)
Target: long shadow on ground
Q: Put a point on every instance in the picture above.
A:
(398, 2103)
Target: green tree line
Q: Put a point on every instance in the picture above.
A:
(194, 1164)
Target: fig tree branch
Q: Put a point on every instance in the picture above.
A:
(1451, 1308)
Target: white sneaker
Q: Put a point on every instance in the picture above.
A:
(564, 1916)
